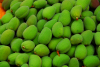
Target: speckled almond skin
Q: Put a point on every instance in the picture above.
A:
(71, 51)
(76, 39)
(90, 50)
(35, 40)
(12, 57)
(58, 7)
(41, 50)
(76, 12)
(30, 32)
(97, 10)
(27, 46)
(52, 1)
(87, 37)
(39, 15)
(4, 64)
(61, 60)
(45, 63)
(32, 11)
(67, 32)
(20, 29)
(53, 43)
(86, 13)
(97, 38)
(32, 20)
(16, 44)
(53, 54)
(98, 16)
(56, 16)
(66, 45)
(81, 51)
(7, 36)
(25, 65)
(40, 24)
(36, 60)
(4, 53)
(3, 28)
(40, 4)
(21, 59)
(22, 12)
(77, 26)
(68, 6)
(6, 4)
(8, 17)
(91, 61)
(89, 21)
(65, 14)
(15, 7)
(13, 24)
(57, 29)
(74, 62)
(13, 2)
(27, 3)
(49, 12)
(83, 3)
(50, 23)
(46, 33)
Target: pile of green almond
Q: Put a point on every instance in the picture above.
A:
(50, 33)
